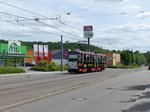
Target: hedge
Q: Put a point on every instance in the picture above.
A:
(45, 66)
(124, 66)
(10, 70)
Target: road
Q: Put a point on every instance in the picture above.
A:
(108, 91)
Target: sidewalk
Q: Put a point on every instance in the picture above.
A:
(142, 104)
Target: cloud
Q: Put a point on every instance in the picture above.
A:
(15, 30)
(143, 15)
(130, 27)
(131, 8)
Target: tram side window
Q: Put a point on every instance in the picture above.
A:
(91, 59)
(94, 58)
(105, 58)
(87, 58)
(84, 57)
(81, 57)
(101, 58)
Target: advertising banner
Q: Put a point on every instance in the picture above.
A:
(41, 51)
(14, 47)
(45, 50)
(36, 49)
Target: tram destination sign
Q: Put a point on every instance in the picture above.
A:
(88, 31)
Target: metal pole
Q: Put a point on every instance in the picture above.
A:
(88, 44)
(24, 62)
(62, 53)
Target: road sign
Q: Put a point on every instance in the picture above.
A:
(88, 31)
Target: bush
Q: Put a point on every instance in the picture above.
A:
(53, 67)
(9, 70)
(39, 68)
(43, 63)
(44, 66)
(65, 67)
(124, 66)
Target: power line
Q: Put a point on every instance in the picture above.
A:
(58, 29)
(89, 7)
(33, 13)
(21, 9)
(44, 24)
(37, 20)
(14, 15)
(45, 16)
(110, 14)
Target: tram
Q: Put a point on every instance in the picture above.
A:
(82, 62)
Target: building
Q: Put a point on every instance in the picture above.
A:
(56, 57)
(35, 59)
(113, 59)
(12, 53)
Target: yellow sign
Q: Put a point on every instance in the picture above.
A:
(80, 64)
(90, 64)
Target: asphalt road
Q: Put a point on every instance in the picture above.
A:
(101, 91)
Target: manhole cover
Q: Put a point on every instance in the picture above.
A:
(79, 98)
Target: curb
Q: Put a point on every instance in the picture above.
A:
(138, 100)
(30, 73)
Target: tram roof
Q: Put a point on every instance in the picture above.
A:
(87, 52)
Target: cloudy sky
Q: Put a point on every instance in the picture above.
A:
(117, 24)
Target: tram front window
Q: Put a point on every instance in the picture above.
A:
(72, 57)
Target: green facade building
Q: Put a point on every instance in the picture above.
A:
(12, 54)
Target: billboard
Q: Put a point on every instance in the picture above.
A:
(14, 46)
(88, 31)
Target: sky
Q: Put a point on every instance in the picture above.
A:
(117, 24)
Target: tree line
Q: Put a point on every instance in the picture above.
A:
(128, 57)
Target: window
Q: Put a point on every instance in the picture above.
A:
(84, 57)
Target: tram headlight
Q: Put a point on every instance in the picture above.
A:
(85, 65)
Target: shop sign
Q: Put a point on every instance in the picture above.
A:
(14, 47)
(88, 31)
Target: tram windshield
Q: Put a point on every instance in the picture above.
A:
(73, 57)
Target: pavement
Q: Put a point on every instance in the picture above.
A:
(142, 103)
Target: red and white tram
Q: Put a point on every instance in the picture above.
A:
(81, 61)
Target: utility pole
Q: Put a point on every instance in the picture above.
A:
(62, 53)
(88, 44)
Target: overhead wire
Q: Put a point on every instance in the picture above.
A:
(37, 20)
(110, 14)
(94, 6)
(47, 17)
(30, 12)
(41, 16)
